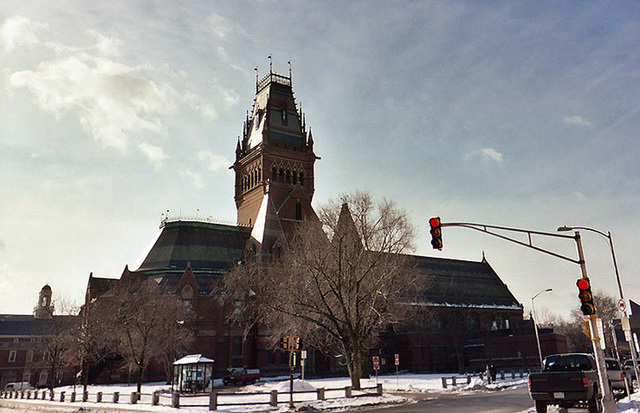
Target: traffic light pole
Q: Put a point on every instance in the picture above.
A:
(608, 404)
(625, 321)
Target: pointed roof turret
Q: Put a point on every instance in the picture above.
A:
(346, 231)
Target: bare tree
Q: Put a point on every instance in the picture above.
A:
(57, 336)
(606, 310)
(339, 283)
(140, 323)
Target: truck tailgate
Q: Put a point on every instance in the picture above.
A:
(569, 381)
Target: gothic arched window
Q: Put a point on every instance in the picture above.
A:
(298, 211)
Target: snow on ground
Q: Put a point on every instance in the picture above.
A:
(626, 405)
(334, 394)
(335, 400)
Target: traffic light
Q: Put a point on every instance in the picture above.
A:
(436, 233)
(586, 329)
(285, 342)
(585, 296)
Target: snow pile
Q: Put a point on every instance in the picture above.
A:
(298, 385)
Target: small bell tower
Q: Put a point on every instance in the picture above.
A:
(275, 157)
(44, 308)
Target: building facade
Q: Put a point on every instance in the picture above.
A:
(24, 353)
(274, 187)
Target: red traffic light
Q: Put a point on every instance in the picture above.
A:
(586, 297)
(436, 233)
(583, 284)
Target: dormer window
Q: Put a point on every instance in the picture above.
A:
(258, 117)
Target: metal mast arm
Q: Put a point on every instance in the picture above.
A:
(487, 230)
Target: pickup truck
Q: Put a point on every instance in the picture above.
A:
(242, 375)
(619, 378)
(566, 380)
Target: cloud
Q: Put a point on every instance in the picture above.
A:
(220, 26)
(487, 154)
(115, 103)
(196, 178)
(577, 120)
(154, 154)
(579, 196)
(214, 162)
(111, 101)
(108, 46)
(19, 31)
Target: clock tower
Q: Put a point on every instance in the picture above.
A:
(274, 166)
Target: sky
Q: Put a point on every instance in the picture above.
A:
(510, 113)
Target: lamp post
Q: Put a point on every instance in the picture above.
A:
(626, 326)
(535, 324)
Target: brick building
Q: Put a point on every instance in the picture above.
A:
(274, 187)
(23, 349)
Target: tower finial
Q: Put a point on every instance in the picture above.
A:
(289, 63)
(256, 70)
(270, 64)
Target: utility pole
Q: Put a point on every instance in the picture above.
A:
(535, 324)
(608, 404)
(622, 306)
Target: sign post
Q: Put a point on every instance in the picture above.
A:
(376, 366)
(303, 359)
(397, 363)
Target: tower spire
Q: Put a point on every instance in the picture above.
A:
(275, 153)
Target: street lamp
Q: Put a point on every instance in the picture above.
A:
(628, 335)
(535, 325)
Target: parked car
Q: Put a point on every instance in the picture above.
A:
(617, 378)
(242, 375)
(566, 380)
(17, 386)
(628, 365)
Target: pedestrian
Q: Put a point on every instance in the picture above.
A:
(492, 370)
(487, 372)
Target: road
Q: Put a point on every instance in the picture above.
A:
(503, 401)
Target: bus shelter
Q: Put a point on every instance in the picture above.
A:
(192, 374)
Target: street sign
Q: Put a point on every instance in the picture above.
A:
(397, 359)
(376, 363)
(600, 328)
(627, 336)
(626, 326)
(622, 305)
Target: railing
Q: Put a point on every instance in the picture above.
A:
(298, 396)
(275, 78)
(73, 397)
(211, 400)
(196, 218)
(466, 379)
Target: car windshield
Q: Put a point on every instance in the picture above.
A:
(612, 364)
(574, 362)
